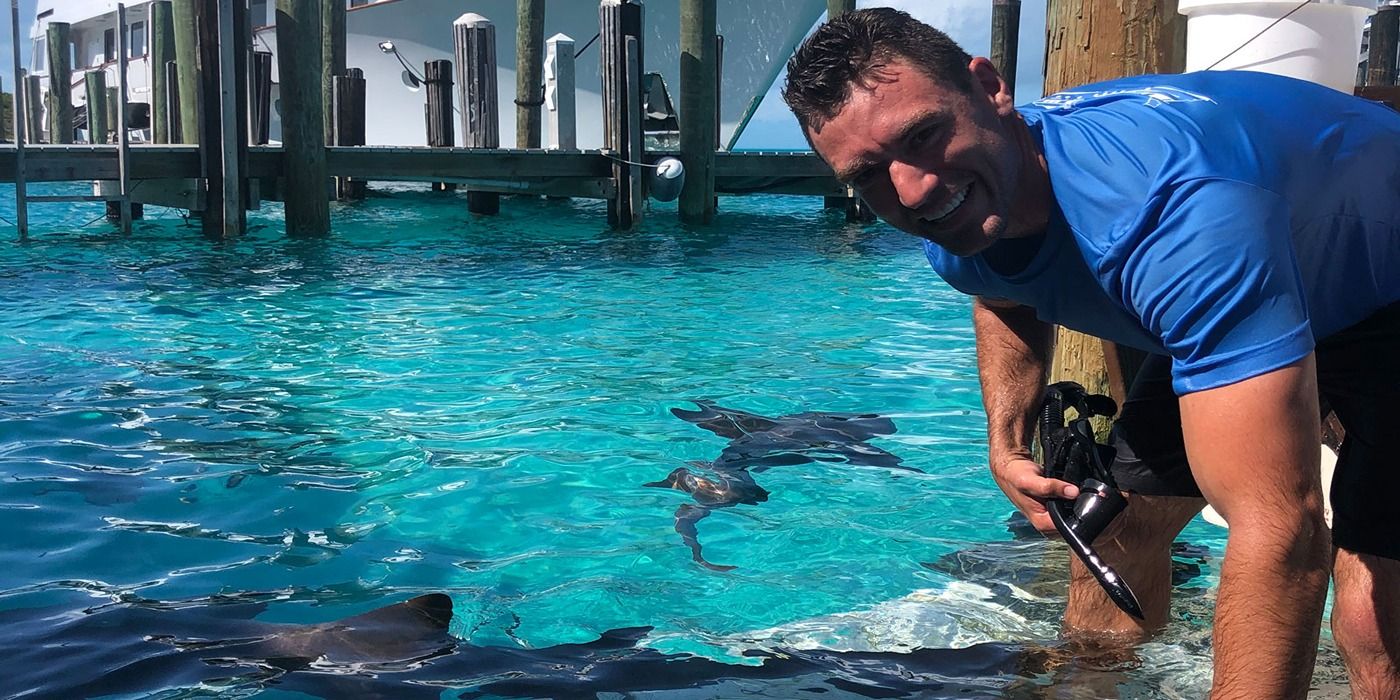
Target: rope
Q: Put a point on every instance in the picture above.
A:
(1261, 33)
(585, 46)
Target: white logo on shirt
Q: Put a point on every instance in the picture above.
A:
(1156, 97)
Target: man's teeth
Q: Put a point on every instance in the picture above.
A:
(950, 207)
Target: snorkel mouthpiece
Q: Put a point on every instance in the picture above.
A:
(1072, 453)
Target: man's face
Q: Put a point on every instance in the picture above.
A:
(929, 159)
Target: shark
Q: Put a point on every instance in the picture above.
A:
(758, 443)
(405, 650)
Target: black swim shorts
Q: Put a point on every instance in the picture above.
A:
(1358, 371)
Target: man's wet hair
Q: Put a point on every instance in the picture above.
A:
(855, 49)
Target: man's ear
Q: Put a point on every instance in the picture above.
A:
(986, 80)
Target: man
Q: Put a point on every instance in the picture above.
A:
(1244, 228)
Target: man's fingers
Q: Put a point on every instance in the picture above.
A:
(1043, 488)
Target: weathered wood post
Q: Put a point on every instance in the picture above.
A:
(333, 60)
(112, 102)
(620, 26)
(21, 105)
(172, 102)
(34, 108)
(475, 43)
(437, 111)
(122, 206)
(162, 52)
(1089, 41)
(260, 97)
(350, 126)
(529, 87)
(854, 206)
(223, 59)
(1006, 25)
(1380, 60)
(60, 83)
(698, 107)
(95, 86)
(187, 68)
(561, 124)
(299, 59)
(7, 114)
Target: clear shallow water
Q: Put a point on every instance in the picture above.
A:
(427, 401)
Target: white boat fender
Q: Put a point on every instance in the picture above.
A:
(667, 179)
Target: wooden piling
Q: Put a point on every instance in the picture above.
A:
(1006, 25)
(223, 42)
(21, 105)
(474, 40)
(95, 86)
(561, 125)
(350, 126)
(1089, 41)
(112, 102)
(260, 98)
(698, 117)
(172, 102)
(33, 111)
(620, 24)
(60, 83)
(162, 52)
(437, 111)
(182, 12)
(123, 203)
(1381, 56)
(7, 116)
(299, 59)
(834, 8)
(332, 60)
(529, 82)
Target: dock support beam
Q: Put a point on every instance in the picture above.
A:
(162, 52)
(60, 83)
(333, 60)
(529, 85)
(437, 112)
(620, 44)
(698, 109)
(1089, 41)
(561, 127)
(95, 86)
(260, 98)
(474, 39)
(34, 107)
(350, 126)
(223, 54)
(187, 66)
(22, 105)
(1385, 31)
(1006, 27)
(299, 59)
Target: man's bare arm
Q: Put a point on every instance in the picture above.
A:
(1013, 354)
(1254, 448)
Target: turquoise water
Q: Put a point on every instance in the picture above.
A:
(430, 401)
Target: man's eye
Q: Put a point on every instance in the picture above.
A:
(921, 137)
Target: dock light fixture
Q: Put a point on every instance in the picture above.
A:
(410, 78)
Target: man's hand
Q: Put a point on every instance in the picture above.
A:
(1024, 483)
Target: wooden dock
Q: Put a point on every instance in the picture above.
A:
(561, 173)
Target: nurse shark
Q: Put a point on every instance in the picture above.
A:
(758, 443)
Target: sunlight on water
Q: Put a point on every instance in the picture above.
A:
(427, 401)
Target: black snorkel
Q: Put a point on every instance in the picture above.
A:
(1072, 454)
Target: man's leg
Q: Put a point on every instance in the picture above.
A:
(1366, 622)
(1138, 546)
(1151, 464)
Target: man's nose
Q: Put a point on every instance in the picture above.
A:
(914, 184)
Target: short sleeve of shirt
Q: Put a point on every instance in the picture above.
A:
(1209, 268)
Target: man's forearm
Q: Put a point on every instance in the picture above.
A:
(1013, 351)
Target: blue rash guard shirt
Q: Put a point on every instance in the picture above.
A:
(1226, 219)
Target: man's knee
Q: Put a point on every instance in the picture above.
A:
(1366, 621)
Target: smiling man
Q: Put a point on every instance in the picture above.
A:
(1245, 230)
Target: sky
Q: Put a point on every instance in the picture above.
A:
(969, 22)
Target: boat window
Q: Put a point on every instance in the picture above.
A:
(39, 59)
(109, 45)
(137, 41)
(257, 13)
